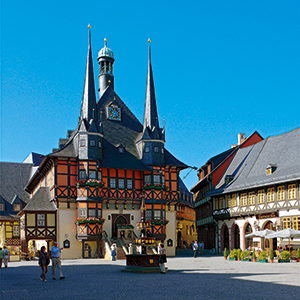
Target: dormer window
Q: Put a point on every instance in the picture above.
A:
(121, 149)
(271, 169)
(17, 207)
(1, 206)
(82, 143)
(92, 143)
(228, 178)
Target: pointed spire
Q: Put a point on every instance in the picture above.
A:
(89, 95)
(150, 114)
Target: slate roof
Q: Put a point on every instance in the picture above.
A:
(41, 201)
(250, 163)
(13, 180)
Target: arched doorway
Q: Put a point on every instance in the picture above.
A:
(236, 237)
(179, 239)
(269, 225)
(249, 241)
(226, 238)
(119, 220)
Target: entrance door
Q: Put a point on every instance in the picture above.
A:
(179, 239)
(226, 238)
(249, 241)
(236, 237)
(269, 225)
(119, 220)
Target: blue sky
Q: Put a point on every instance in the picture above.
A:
(220, 68)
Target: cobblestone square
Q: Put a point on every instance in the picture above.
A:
(205, 277)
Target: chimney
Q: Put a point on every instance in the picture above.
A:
(241, 138)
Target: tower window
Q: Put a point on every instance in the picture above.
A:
(129, 184)
(92, 175)
(113, 183)
(147, 179)
(99, 175)
(1, 206)
(156, 149)
(92, 143)
(100, 145)
(156, 179)
(82, 174)
(162, 150)
(121, 183)
(147, 150)
(82, 213)
(82, 143)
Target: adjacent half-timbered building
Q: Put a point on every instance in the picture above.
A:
(259, 190)
(209, 176)
(98, 175)
(13, 198)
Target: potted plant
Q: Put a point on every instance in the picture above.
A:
(225, 254)
(238, 253)
(271, 256)
(246, 255)
(262, 256)
(253, 256)
(284, 256)
(298, 255)
(233, 254)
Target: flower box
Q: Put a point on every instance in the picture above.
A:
(158, 222)
(262, 260)
(89, 221)
(155, 187)
(90, 182)
(247, 259)
(283, 260)
(233, 258)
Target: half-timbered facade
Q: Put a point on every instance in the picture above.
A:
(259, 190)
(98, 175)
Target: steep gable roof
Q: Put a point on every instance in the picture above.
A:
(248, 167)
(41, 201)
(13, 180)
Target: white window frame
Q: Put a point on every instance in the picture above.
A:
(129, 184)
(113, 183)
(92, 175)
(156, 179)
(121, 183)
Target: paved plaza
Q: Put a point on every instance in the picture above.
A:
(205, 277)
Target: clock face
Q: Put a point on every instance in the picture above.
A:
(114, 113)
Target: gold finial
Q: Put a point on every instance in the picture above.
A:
(89, 26)
(105, 41)
(149, 40)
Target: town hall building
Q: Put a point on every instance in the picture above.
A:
(87, 193)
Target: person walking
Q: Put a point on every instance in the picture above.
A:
(113, 252)
(44, 261)
(56, 262)
(162, 259)
(6, 256)
(1, 257)
(195, 248)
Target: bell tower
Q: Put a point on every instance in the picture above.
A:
(106, 60)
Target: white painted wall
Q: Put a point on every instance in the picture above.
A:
(66, 229)
(171, 232)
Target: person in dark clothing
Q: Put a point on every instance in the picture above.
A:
(44, 262)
